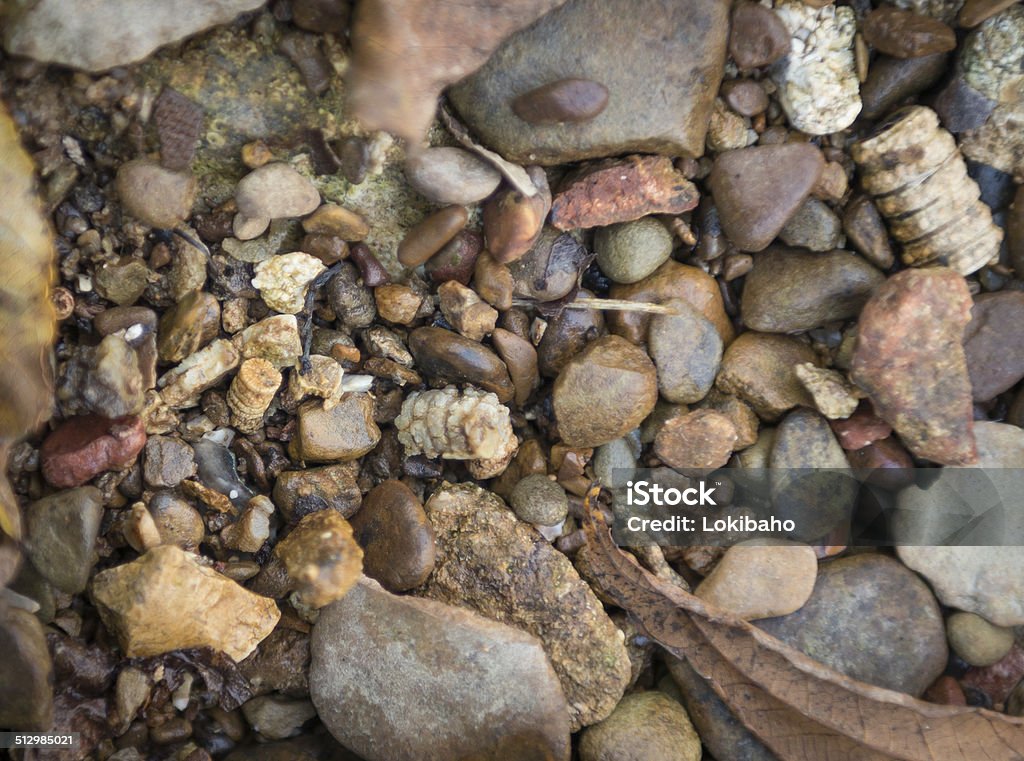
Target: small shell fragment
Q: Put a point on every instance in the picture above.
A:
(275, 339)
(282, 280)
(182, 385)
(324, 380)
(467, 425)
(251, 393)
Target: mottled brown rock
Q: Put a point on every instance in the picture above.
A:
(757, 36)
(464, 310)
(520, 358)
(333, 487)
(994, 343)
(671, 280)
(905, 34)
(696, 442)
(188, 326)
(397, 303)
(565, 100)
(493, 281)
(167, 600)
(513, 222)
(976, 11)
(910, 361)
(157, 196)
(280, 663)
(745, 96)
(620, 190)
(566, 335)
(446, 355)
(456, 259)
(396, 537)
(604, 392)
(321, 557)
(866, 231)
(344, 432)
(491, 562)
(759, 368)
(83, 447)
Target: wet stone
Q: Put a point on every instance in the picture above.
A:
(892, 80)
(177, 521)
(456, 260)
(298, 492)
(448, 356)
(564, 100)
(280, 663)
(61, 533)
(520, 358)
(188, 326)
(993, 344)
(566, 335)
(429, 236)
(26, 673)
(83, 447)
(866, 232)
(512, 220)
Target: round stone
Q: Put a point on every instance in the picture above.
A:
(977, 641)
(630, 251)
(647, 725)
(539, 500)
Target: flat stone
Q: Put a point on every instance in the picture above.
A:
(871, 619)
(451, 176)
(157, 196)
(646, 112)
(167, 461)
(61, 536)
(697, 442)
(687, 352)
(630, 251)
(492, 563)
(647, 725)
(162, 602)
(275, 191)
(791, 291)
(344, 432)
(620, 190)
(761, 578)
(385, 668)
(910, 361)
(26, 672)
(760, 368)
(757, 190)
(993, 343)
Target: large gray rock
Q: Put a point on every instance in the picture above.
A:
(99, 34)
(62, 530)
(661, 68)
(405, 679)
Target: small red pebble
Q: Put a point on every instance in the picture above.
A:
(946, 691)
(83, 447)
(863, 427)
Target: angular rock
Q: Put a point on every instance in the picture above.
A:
(280, 663)
(646, 111)
(871, 619)
(275, 717)
(813, 226)
(993, 343)
(791, 291)
(405, 679)
(167, 462)
(696, 442)
(866, 231)
(494, 564)
(759, 368)
(620, 190)
(604, 392)
(344, 432)
(757, 190)
(26, 673)
(647, 725)
(834, 396)
(167, 600)
(910, 361)
(61, 536)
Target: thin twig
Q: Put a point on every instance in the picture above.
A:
(615, 305)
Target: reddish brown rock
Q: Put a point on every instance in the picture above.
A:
(699, 441)
(860, 429)
(905, 34)
(620, 190)
(85, 446)
(946, 691)
(910, 360)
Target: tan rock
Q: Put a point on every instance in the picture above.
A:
(321, 557)
(759, 368)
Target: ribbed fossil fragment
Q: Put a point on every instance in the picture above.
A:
(919, 181)
(251, 393)
(467, 425)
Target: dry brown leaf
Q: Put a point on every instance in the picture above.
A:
(405, 52)
(27, 320)
(800, 709)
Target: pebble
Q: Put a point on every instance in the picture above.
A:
(277, 718)
(331, 219)
(813, 226)
(551, 270)
(946, 691)
(122, 282)
(791, 291)
(621, 190)
(397, 303)
(167, 462)
(258, 249)
(280, 663)
(345, 432)
(891, 81)
(465, 312)
(274, 191)
(630, 251)
(493, 282)
(975, 12)
(61, 533)
(604, 392)
(176, 521)
(671, 280)
(761, 578)
(760, 368)
(83, 447)
(910, 361)
(158, 197)
(370, 269)
(993, 345)
(863, 427)
(332, 487)
(743, 418)
(451, 176)
(431, 235)
(696, 442)
(457, 258)
(727, 130)
(867, 233)
(352, 302)
(905, 34)
(283, 280)
(538, 500)
(520, 358)
(871, 619)
(566, 335)
(188, 326)
(321, 557)
(161, 601)
(563, 101)
(757, 190)
(396, 537)
(512, 221)
(810, 479)
(182, 385)
(647, 725)
(645, 112)
(614, 463)
(118, 33)
(448, 356)
(26, 673)
(492, 563)
(746, 96)
(834, 396)
(275, 339)
(104, 380)
(492, 692)
(757, 36)
(976, 641)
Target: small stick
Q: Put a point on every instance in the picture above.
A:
(616, 305)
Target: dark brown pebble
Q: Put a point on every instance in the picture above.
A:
(172, 731)
(493, 282)
(304, 51)
(419, 466)
(520, 357)
(865, 229)
(976, 11)
(567, 100)
(446, 355)
(324, 159)
(892, 80)
(325, 247)
(457, 259)
(370, 268)
(905, 34)
(87, 668)
(1015, 232)
(355, 159)
(513, 222)
(758, 37)
(321, 16)
(396, 537)
(430, 235)
(566, 335)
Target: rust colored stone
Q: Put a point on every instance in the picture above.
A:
(860, 429)
(694, 443)
(87, 445)
(946, 691)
